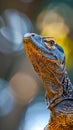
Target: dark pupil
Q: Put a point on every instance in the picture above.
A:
(51, 42)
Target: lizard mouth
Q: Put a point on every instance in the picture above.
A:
(47, 47)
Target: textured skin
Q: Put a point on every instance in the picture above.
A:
(48, 60)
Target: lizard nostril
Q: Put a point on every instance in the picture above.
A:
(32, 35)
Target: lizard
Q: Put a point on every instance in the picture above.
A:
(49, 61)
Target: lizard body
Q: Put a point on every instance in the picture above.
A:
(48, 60)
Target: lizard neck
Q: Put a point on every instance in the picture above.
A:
(58, 88)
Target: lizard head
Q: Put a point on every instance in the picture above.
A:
(48, 60)
(43, 51)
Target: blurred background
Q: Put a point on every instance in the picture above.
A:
(22, 95)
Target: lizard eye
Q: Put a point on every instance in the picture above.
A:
(50, 44)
